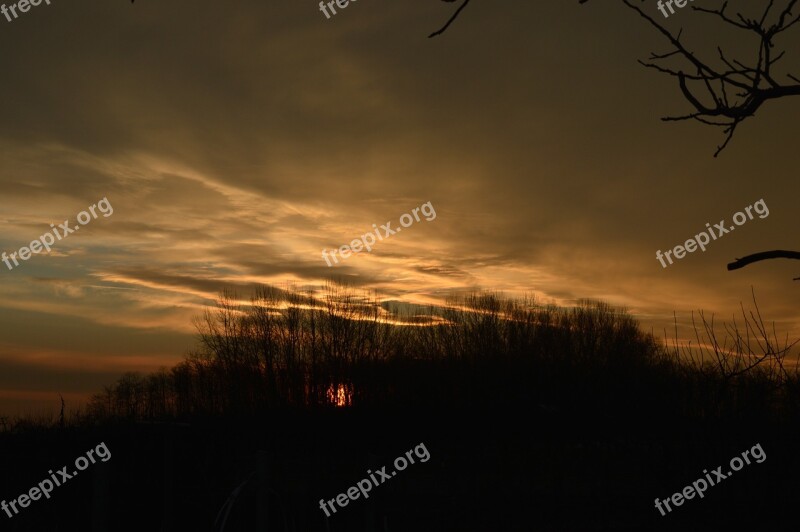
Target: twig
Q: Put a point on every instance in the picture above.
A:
(455, 15)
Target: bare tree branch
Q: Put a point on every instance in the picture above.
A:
(764, 255)
(725, 97)
(455, 15)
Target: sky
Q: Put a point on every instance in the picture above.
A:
(235, 143)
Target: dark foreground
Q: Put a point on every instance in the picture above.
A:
(517, 419)
(539, 468)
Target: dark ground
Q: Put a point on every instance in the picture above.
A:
(491, 468)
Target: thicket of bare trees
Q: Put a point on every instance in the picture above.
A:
(280, 348)
(741, 365)
(287, 349)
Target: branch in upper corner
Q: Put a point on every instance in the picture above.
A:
(723, 92)
(455, 15)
